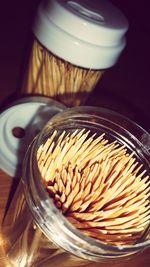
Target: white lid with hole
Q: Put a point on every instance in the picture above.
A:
(19, 124)
(87, 33)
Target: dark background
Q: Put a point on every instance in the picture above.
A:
(124, 88)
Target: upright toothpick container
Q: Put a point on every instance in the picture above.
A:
(75, 41)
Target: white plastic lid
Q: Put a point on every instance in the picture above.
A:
(87, 33)
(19, 124)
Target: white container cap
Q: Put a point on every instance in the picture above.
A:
(19, 124)
(87, 33)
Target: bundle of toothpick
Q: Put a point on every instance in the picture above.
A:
(98, 185)
(50, 76)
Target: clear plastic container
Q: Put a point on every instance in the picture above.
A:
(35, 232)
(74, 43)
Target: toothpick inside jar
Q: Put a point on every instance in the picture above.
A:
(51, 76)
(98, 185)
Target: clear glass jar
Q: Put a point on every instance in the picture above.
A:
(51, 76)
(35, 231)
(74, 42)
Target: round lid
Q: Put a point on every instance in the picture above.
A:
(84, 32)
(19, 124)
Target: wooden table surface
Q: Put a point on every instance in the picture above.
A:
(6, 183)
